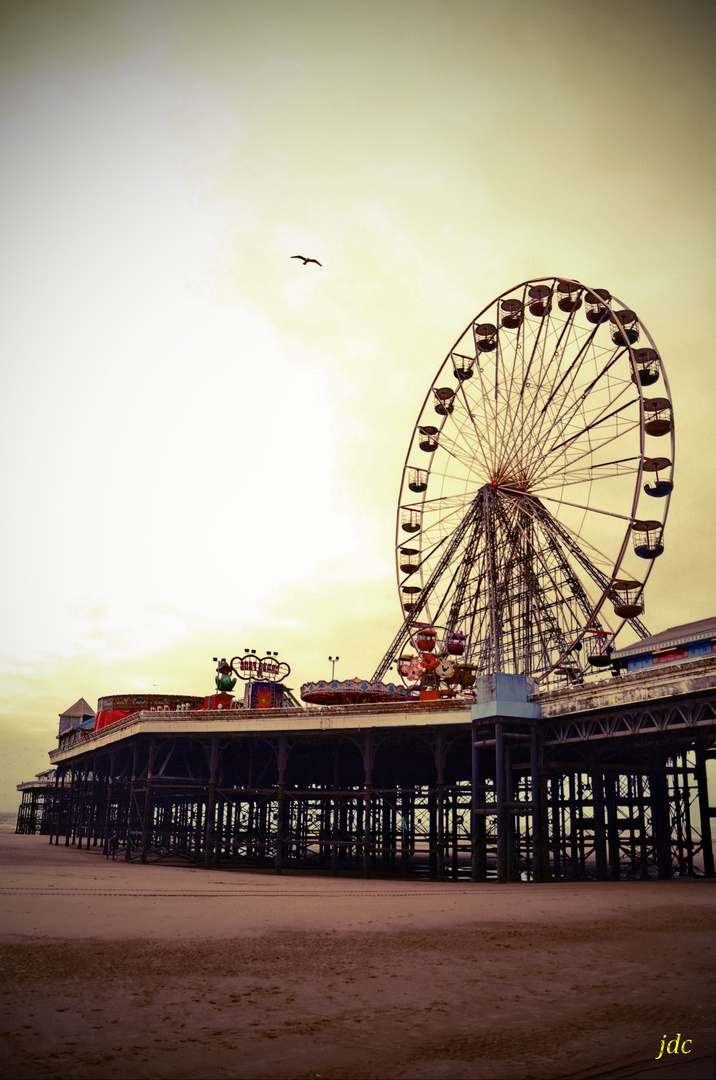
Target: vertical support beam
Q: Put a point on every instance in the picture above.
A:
(600, 834)
(147, 809)
(368, 757)
(641, 781)
(282, 761)
(336, 804)
(510, 818)
(610, 785)
(688, 829)
(477, 872)
(660, 823)
(678, 813)
(211, 803)
(81, 786)
(130, 807)
(108, 804)
(575, 812)
(454, 838)
(94, 817)
(707, 850)
(540, 853)
(405, 819)
(555, 791)
(432, 834)
(70, 807)
(500, 798)
(543, 809)
(440, 752)
(55, 819)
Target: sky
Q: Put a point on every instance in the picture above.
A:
(203, 439)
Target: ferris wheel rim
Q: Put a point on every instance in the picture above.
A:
(627, 346)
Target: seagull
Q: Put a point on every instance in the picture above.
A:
(305, 260)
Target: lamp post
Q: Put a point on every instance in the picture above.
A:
(333, 660)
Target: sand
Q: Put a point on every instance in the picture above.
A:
(121, 970)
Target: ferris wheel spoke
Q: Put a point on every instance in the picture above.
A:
(546, 374)
(463, 450)
(575, 478)
(550, 423)
(569, 414)
(526, 435)
(595, 423)
(617, 355)
(563, 414)
(559, 467)
(575, 362)
(539, 348)
(589, 356)
(589, 509)
(457, 448)
(543, 325)
(487, 427)
(593, 447)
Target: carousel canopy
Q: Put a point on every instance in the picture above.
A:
(351, 692)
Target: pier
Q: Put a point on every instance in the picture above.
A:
(605, 781)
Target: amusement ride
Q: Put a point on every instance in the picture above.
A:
(534, 494)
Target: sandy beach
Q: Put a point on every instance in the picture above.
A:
(121, 970)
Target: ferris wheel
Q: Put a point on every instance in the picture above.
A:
(537, 484)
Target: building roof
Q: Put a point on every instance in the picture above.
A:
(80, 708)
(676, 635)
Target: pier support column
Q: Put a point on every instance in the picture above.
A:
(130, 807)
(336, 806)
(406, 817)
(108, 804)
(147, 808)
(705, 813)
(70, 808)
(439, 830)
(479, 821)
(211, 804)
(538, 792)
(661, 831)
(55, 820)
(600, 835)
(369, 749)
(611, 785)
(282, 761)
(500, 799)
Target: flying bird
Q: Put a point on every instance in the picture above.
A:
(305, 260)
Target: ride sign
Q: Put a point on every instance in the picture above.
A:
(251, 666)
